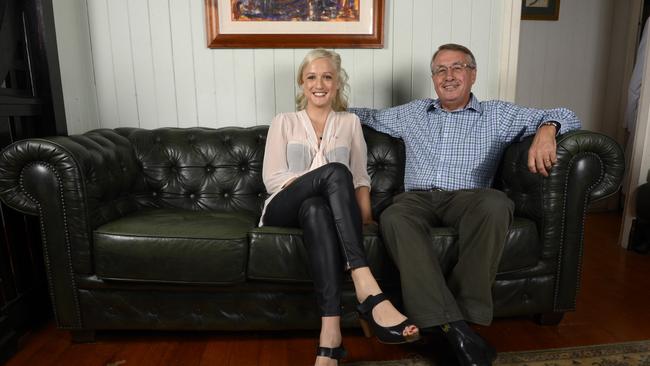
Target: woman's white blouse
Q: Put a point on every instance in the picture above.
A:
(292, 149)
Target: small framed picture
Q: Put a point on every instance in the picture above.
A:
(540, 9)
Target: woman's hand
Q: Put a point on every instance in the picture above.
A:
(368, 221)
(363, 200)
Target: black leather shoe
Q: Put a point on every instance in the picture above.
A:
(469, 347)
(389, 335)
(334, 353)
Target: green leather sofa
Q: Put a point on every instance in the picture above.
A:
(157, 229)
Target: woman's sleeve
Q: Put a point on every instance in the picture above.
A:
(359, 156)
(275, 171)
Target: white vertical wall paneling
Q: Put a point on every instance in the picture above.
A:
(421, 45)
(348, 62)
(509, 50)
(382, 67)
(461, 14)
(143, 63)
(183, 57)
(298, 56)
(127, 107)
(206, 93)
(402, 51)
(440, 28)
(244, 76)
(163, 63)
(223, 64)
(100, 38)
(443, 22)
(284, 80)
(479, 43)
(264, 86)
(152, 67)
(492, 58)
(362, 92)
(76, 65)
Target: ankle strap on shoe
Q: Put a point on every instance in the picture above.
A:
(333, 353)
(370, 302)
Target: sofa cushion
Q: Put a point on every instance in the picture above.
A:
(278, 254)
(522, 248)
(174, 245)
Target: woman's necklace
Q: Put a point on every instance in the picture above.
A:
(319, 129)
(319, 134)
(318, 126)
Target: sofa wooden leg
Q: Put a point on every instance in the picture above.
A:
(550, 318)
(83, 336)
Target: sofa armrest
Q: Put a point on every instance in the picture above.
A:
(73, 184)
(589, 167)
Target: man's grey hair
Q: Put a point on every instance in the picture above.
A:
(471, 60)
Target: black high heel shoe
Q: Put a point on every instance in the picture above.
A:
(389, 335)
(337, 353)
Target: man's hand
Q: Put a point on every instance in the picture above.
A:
(541, 155)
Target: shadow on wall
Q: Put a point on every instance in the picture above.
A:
(401, 94)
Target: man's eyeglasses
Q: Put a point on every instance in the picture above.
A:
(455, 69)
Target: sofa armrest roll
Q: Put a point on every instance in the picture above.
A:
(73, 184)
(589, 167)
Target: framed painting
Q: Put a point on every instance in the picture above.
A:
(540, 9)
(294, 23)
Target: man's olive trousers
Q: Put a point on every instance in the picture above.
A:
(481, 218)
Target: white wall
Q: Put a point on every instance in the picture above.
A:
(582, 61)
(76, 63)
(564, 62)
(144, 62)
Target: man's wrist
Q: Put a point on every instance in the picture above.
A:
(555, 124)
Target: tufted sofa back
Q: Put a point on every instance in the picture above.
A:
(200, 168)
(221, 169)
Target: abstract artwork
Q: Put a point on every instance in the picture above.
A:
(294, 23)
(295, 10)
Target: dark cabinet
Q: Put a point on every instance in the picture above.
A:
(30, 106)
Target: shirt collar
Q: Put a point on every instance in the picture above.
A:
(473, 104)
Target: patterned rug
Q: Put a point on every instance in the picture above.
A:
(618, 354)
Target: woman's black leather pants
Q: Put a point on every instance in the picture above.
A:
(323, 204)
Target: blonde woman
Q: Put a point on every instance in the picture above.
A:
(315, 169)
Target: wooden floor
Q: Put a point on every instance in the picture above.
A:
(613, 306)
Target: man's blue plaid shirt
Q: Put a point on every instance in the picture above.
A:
(459, 149)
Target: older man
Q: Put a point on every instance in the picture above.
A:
(453, 147)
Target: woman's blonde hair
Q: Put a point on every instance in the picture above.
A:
(340, 102)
